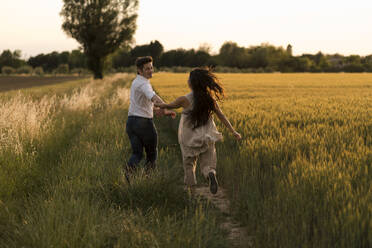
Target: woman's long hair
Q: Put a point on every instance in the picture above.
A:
(206, 91)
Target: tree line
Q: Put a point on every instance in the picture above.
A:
(231, 58)
(104, 29)
(51, 63)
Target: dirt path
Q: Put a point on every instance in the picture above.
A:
(237, 234)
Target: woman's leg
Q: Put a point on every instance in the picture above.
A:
(208, 160)
(189, 168)
(208, 163)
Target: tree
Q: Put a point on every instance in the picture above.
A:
(353, 64)
(122, 58)
(76, 59)
(233, 56)
(259, 57)
(12, 59)
(289, 50)
(205, 47)
(201, 58)
(100, 26)
(367, 63)
(154, 49)
(175, 57)
(49, 61)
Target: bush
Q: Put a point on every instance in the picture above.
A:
(260, 70)
(110, 70)
(62, 69)
(181, 69)
(7, 70)
(39, 71)
(269, 69)
(80, 71)
(26, 69)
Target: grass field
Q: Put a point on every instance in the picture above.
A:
(301, 176)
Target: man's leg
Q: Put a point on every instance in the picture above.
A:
(136, 144)
(150, 139)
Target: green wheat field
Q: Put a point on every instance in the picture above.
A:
(300, 177)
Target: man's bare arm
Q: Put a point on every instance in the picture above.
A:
(157, 99)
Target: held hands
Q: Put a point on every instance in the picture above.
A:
(170, 112)
(159, 105)
(161, 112)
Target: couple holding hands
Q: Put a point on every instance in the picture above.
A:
(197, 132)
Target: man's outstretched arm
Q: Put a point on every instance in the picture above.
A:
(157, 99)
(160, 112)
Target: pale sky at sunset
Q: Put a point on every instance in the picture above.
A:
(330, 26)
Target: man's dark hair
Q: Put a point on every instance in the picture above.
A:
(140, 61)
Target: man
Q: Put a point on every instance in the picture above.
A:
(140, 126)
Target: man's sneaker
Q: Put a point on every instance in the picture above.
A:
(213, 184)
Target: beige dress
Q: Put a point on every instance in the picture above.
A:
(197, 143)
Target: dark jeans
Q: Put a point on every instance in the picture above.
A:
(142, 135)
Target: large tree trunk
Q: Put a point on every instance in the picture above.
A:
(95, 64)
(98, 75)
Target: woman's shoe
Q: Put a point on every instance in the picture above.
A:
(213, 184)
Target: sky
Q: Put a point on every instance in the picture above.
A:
(329, 26)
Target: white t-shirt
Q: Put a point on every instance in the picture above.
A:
(141, 93)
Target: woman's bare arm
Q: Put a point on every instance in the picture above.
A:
(160, 111)
(178, 103)
(226, 122)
